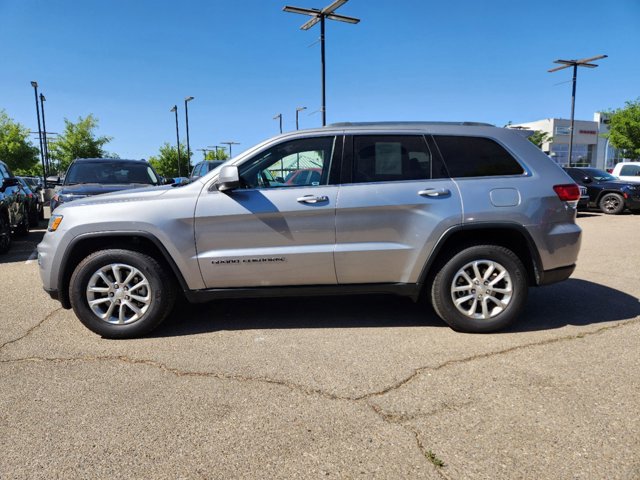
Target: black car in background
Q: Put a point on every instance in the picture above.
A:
(92, 176)
(33, 201)
(606, 192)
(204, 167)
(13, 208)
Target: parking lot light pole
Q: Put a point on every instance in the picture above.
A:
(175, 110)
(45, 145)
(279, 116)
(320, 16)
(44, 169)
(585, 62)
(230, 143)
(186, 116)
(298, 110)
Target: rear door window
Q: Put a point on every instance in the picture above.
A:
(476, 157)
(390, 158)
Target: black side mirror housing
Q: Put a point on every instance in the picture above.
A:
(9, 182)
(587, 180)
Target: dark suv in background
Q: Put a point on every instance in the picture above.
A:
(204, 167)
(13, 208)
(93, 176)
(606, 192)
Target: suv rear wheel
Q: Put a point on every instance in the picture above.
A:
(121, 293)
(480, 289)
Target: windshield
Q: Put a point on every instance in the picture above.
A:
(599, 175)
(110, 173)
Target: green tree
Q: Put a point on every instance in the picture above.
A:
(539, 137)
(78, 141)
(218, 154)
(624, 129)
(166, 162)
(16, 149)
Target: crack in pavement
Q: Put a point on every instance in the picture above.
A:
(31, 330)
(418, 371)
(388, 417)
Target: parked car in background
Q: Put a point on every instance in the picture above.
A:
(627, 171)
(468, 216)
(305, 176)
(34, 203)
(36, 186)
(204, 167)
(93, 176)
(606, 192)
(14, 216)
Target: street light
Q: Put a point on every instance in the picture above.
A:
(186, 115)
(279, 116)
(44, 132)
(585, 62)
(44, 169)
(298, 110)
(230, 143)
(320, 16)
(175, 110)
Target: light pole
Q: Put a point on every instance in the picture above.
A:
(45, 144)
(186, 116)
(230, 143)
(320, 16)
(585, 62)
(44, 169)
(279, 116)
(175, 110)
(298, 110)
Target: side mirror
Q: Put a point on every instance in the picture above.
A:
(587, 180)
(53, 180)
(229, 178)
(10, 182)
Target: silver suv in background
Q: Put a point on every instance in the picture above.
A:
(466, 215)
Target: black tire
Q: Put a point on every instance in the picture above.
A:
(515, 281)
(34, 217)
(159, 293)
(22, 229)
(5, 234)
(611, 203)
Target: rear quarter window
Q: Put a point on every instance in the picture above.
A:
(476, 157)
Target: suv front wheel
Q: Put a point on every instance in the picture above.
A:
(121, 293)
(480, 289)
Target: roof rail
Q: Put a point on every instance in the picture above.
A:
(395, 123)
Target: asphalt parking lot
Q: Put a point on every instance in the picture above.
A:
(364, 387)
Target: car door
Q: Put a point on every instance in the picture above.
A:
(268, 233)
(13, 197)
(395, 205)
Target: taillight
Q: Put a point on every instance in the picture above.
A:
(567, 193)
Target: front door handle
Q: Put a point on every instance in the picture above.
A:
(313, 199)
(434, 192)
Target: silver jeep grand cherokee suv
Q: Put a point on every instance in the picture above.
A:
(467, 215)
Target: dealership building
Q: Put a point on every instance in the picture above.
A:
(590, 148)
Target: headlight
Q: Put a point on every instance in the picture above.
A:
(54, 222)
(67, 197)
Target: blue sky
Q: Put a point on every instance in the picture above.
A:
(128, 62)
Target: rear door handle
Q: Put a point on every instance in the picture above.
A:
(313, 199)
(434, 192)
